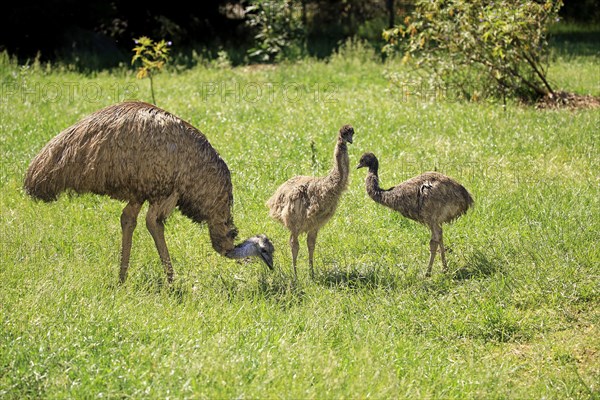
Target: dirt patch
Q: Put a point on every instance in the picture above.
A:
(567, 100)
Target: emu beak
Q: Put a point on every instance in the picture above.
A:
(350, 140)
(267, 259)
(359, 166)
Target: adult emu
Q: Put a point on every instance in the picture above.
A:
(136, 152)
(430, 198)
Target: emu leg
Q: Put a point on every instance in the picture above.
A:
(295, 247)
(311, 242)
(128, 224)
(155, 218)
(436, 237)
(443, 253)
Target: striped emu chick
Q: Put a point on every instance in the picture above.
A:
(136, 152)
(430, 198)
(304, 204)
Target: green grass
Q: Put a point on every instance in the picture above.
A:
(517, 316)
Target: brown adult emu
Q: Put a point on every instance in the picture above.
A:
(306, 203)
(136, 152)
(430, 198)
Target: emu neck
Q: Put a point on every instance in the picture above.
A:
(396, 198)
(222, 235)
(372, 186)
(338, 175)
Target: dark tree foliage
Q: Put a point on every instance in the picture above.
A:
(587, 11)
(59, 27)
(64, 29)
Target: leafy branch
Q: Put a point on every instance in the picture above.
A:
(502, 43)
(152, 56)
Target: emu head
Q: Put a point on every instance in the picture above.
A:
(368, 160)
(264, 249)
(256, 246)
(346, 133)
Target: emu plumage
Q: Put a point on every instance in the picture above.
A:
(304, 204)
(430, 198)
(136, 152)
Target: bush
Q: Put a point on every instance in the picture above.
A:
(279, 29)
(499, 45)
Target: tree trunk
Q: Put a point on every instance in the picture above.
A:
(391, 13)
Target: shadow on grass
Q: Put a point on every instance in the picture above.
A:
(274, 286)
(479, 265)
(280, 287)
(576, 43)
(150, 280)
(365, 276)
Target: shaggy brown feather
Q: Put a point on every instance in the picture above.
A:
(136, 152)
(430, 198)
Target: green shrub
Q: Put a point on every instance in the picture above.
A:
(279, 30)
(479, 47)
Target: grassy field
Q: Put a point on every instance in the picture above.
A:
(518, 316)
